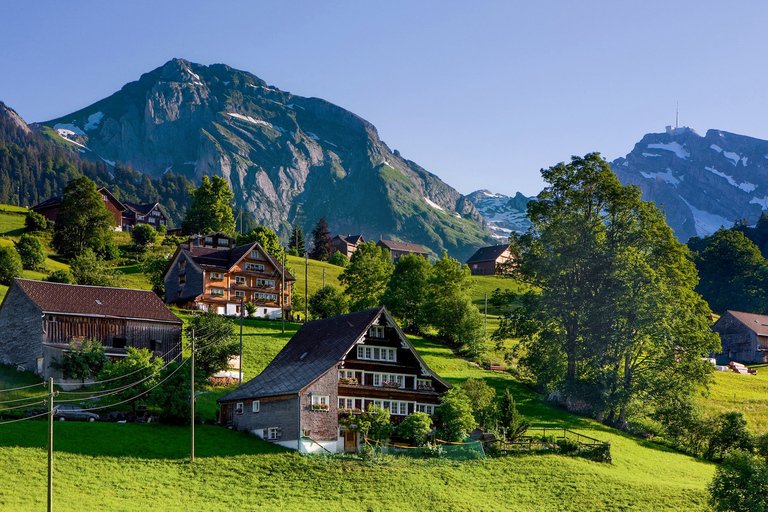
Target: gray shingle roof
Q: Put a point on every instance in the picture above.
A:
(758, 323)
(488, 253)
(313, 350)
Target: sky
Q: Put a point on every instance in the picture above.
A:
(483, 94)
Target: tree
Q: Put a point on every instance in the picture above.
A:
(730, 433)
(215, 342)
(139, 369)
(89, 270)
(35, 222)
(448, 306)
(210, 209)
(31, 251)
(173, 396)
(61, 276)
(10, 265)
(153, 267)
(740, 484)
(407, 290)
(339, 259)
(511, 422)
(81, 361)
(321, 238)
(614, 299)
(297, 241)
(83, 220)
(366, 277)
(266, 238)
(328, 301)
(481, 397)
(144, 235)
(416, 428)
(374, 423)
(455, 415)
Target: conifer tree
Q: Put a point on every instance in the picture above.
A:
(321, 236)
(297, 241)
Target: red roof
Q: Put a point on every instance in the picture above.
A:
(71, 299)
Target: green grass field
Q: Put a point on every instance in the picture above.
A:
(745, 393)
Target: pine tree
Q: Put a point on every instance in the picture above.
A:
(297, 240)
(321, 236)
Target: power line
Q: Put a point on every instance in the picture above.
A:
(22, 387)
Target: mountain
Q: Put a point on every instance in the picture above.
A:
(502, 214)
(701, 183)
(289, 159)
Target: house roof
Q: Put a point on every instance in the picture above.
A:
(224, 260)
(351, 239)
(56, 201)
(488, 253)
(401, 246)
(144, 209)
(316, 348)
(757, 323)
(71, 299)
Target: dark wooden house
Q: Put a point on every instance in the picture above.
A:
(151, 214)
(50, 207)
(346, 244)
(744, 336)
(38, 320)
(210, 279)
(332, 368)
(489, 261)
(399, 249)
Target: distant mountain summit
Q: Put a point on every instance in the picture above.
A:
(701, 183)
(503, 214)
(289, 159)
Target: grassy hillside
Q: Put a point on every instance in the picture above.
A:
(135, 467)
(746, 393)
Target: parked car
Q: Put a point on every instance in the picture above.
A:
(73, 412)
(119, 416)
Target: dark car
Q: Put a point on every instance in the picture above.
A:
(73, 413)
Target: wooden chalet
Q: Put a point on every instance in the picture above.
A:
(346, 244)
(151, 214)
(333, 368)
(219, 280)
(489, 261)
(743, 336)
(38, 320)
(399, 249)
(50, 207)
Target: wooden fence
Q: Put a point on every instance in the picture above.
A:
(558, 440)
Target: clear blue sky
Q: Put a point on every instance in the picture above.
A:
(483, 94)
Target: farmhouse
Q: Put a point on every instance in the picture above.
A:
(487, 260)
(346, 245)
(334, 367)
(50, 207)
(210, 279)
(38, 320)
(399, 249)
(744, 336)
(151, 214)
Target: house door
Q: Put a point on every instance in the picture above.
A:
(226, 414)
(350, 441)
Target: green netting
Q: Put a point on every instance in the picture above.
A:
(457, 451)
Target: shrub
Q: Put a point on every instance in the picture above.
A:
(455, 413)
(89, 270)
(143, 235)
(83, 361)
(730, 433)
(61, 276)
(10, 265)
(415, 428)
(740, 484)
(35, 222)
(292, 252)
(327, 302)
(338, 259)
(161, 229)
(31, 251)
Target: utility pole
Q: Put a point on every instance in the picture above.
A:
(323, 278)
(486, 313)
(282, 293)
(50, 445)
(192, 399)
(240, 376)
(306, 281)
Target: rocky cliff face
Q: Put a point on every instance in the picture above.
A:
(701, 183)
(503, 214)
(289, 159)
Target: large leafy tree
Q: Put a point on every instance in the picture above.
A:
(614, 318)
(31, 251)
(366, 276)
(215, 342)
(740, 484)
(328, 301)
(134, 376)
(81, 361)
(407, 290)
(266, 238)
(321, 241)
(10, 265)
(89, 269)
(83, 221)
(210, 209)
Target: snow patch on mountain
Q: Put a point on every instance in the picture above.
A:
(762, 202)
(94, 120)
(734, 157)
(745, 186)
(667, 177)
(706, 223)
(674, 147)
(503, 214)
(649, 155)
(256, 121)
(67, 129)
(434, 205)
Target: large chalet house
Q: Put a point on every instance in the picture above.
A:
(489, 261)
(333, 368)
(400, 249)
(127, 215)
(346, 245)
(38, 320)
(219, 280)
(744, 336)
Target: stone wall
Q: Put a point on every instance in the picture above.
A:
(21, 330)
(322, 424)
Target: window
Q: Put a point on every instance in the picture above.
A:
(320, 402)
(388, 380)
(182, 264)
(265, 282)
(273, 433)
(240, 280)
(118, 342)
(346, 403)
(239, 408)
(182, 279)
(376, 353)
(255, 406)
(424, 385)
(217, 276)
(239, 293)
(223, 241)
(218, 292)
(209, 240)
(266, 296)
(376, 331)
(258, 267)
(155, 346)
(255, 255)
(427, 408)
(395, 407)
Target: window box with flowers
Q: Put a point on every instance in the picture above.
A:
(320, 407)
(389, 384)
(424, 386)
(349, 381)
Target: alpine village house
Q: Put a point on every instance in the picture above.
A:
(221, 279)
(333, 368)
(39, 320)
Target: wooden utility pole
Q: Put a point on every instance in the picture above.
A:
(50, 445)
(192, 399)
(306, 284)
(282, 293)
(486, 313)
(323, 278)
(240, 376)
